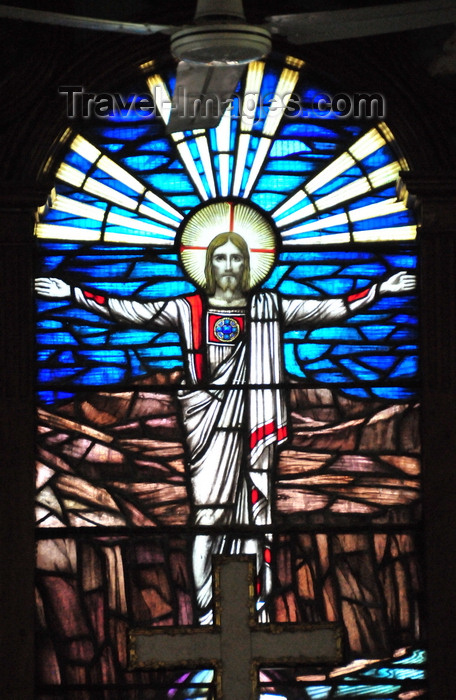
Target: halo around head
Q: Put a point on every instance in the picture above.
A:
(223, 217)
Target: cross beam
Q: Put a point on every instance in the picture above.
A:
(236, 645)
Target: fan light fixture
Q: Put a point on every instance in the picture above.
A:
(221, 44)
(220, 36)
(213, 51)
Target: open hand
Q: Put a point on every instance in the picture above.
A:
(52, 287)
(399, 282)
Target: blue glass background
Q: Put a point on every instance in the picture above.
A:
(372, 354)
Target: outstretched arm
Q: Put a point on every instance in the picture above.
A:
(52, 287)
(398, 283)
(302, 312)
(159, 314)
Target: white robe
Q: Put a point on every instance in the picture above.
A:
(234, 414)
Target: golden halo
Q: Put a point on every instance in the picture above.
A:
(223, 217)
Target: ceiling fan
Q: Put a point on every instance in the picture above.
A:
(215, 49)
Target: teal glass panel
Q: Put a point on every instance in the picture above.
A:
(77, 161)
(146, 163)
(360, 372)
(282, 148)
(113, 147)
(267, 200)
(377, 159)
(123, 133)
(284, 183)
(341, 181)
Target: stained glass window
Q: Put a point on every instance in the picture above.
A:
(258, 398)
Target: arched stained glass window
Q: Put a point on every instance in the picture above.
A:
(275, 416)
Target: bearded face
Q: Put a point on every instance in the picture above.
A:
(228, 267)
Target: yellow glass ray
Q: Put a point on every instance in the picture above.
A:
(88, 151)
(163, 102)
(285, 86)
(248, 107)
(365, 146)
(370, 211)
(222, 137)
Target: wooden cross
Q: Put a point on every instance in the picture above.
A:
(236, 646)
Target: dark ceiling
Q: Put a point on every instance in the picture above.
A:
(428, 46)
(36, 58)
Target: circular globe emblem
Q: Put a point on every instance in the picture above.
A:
(226, 329)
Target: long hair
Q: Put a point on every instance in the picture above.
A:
(218, 241)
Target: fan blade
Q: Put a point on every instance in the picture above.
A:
(312, 27)
(201, 95)
(104, 25)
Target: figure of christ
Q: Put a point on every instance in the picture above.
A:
(232, 398)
